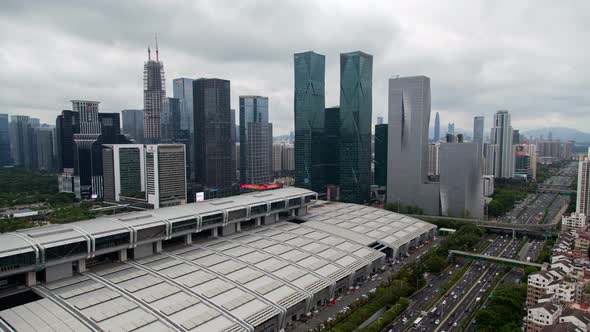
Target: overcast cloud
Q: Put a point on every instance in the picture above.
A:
(529, 57)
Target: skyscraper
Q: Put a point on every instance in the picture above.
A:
(182, 88)
(235, 134)
(133, 124)
(45, 137)
(515, 137)
(381, 154)
(501, 135)
(5, 159)
(90, 130)
(437, 128)
(331, 146)
(583, 192)
(154, 92)
(23, 146)
(67, 125)
(170, 121)
(407, 148)
(461, 186)
(309, 101)
(165, 172)
(124, 171)
(356, 102)
(255, 141)
(478, 125)
(451, 128)
(214, 170)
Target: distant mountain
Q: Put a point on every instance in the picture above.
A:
(560, 133)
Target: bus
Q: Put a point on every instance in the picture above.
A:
(417, 322)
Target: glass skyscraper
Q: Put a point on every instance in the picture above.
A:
(356, 91)
(255, 141)
(331, 146)
(4, 141)
(381, 154)
(309, 120)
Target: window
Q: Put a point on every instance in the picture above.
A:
(258, 209)
(236, 214)
(151, 233)
(308, 198)
(212, 219)
(16, 261)
(111, 241)
(295, 201)
(275, 206)
(70, 249)
(184, 225)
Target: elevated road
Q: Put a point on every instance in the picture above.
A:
(538, 229)
(494, 259)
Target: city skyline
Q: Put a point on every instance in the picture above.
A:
(464, 83)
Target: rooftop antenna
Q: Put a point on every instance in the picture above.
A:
(157, 55)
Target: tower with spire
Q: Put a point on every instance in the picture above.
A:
(154, 93)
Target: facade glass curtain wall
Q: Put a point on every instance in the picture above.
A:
(356, 98)
(255, 141)
(309, 120)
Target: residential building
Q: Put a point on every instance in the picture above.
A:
(488, 185)
(154, 93)
(309, 101)
(583, 190)
(478, 129)
(501, 135)
(166, 174)
(407, 146)
(381, 131)
(461, 192)
(255, 141)
(288, 160)
(491, 155)
(516, 137)
(436, 128)
(356, 93)
(133, 124)
(580, 319)
(5, 159)
(214, 170)
(23, 144)
(277, 157)
(575, 221)
(541, 315)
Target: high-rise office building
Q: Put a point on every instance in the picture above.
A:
(45, 138)
(166, 174)
(515, 137)
(67, 125)
(277, 157)
(23, 145)
(133, 124)
(331, 143)
(235, 134)
(90, 130)
(583, 192)
(478, 130)
(214, 170)
(170, 121)
(255, 141)
(381, 154)
(451, 128)
(407, 148)
(154, 92)
(491, 155)
(436, 128)
(5, 159)
(309, 101)
(501, 135)
(182, 88)
(124, 171)
(461, 186)
(356, 102)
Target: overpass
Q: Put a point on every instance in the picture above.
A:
(493, 259)
(554, 188)
(549, 229)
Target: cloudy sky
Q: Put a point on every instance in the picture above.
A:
(529, 57)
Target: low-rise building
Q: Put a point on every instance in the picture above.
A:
(575, 221)
(541, 315)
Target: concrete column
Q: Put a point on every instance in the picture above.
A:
(215, 232)
(188, 239)
(123, 255)
(238, 227)
(158, 247)
(81, 265)
(31, 278)
(258, 222)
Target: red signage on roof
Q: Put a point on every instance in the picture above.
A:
(260, 186)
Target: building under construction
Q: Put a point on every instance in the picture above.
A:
(154, 92)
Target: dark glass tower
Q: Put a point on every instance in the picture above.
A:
(214, 170)
(381, 154)
(67, 124)
(255, 141)
(356, 91)
(309, 120)
(5, 159)
(331, 144)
